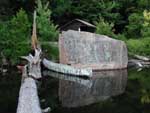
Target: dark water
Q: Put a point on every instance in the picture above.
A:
(120, 91)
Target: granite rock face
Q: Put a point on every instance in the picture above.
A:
(99, 52)
(104, 85)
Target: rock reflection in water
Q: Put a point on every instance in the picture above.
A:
(104, 84)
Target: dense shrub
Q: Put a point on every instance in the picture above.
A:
(46, 29)
(50, 51)
(133, 29)
(139, 46)
(104, 28)
(14, 36)
(146, 24)
(139, 27)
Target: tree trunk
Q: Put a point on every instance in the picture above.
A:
(28, 97)
(142, 58)
(66, 69)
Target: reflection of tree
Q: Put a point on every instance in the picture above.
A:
(142, 78)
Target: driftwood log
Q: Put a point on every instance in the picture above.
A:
(66, 69)
(28, 101)
(142, 58)
(28, 96)
(139, 62)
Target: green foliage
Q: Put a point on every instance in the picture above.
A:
(133, 29)
(59, 7)
(121, 19)
(92, 10)
(139, 27)
(144, 4)
(47, 30)
(142, 79)
(50, 51)
(14, 36)
(146, 24)
(20, 26)
(104, 28)
(145, 99)
(139, 46)
(89, 10)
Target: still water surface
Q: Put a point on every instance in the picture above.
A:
(119, 91)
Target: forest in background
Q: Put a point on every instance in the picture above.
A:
(127, 20)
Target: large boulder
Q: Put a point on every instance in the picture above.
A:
(99, 52)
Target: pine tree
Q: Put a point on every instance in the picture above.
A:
(47, 31)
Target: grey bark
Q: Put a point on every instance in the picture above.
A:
(34, 64)
(66, 69)
(28, 96)
(138, 63)
(142, 58)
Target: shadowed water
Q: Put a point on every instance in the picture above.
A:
(119, 91)
(103, 85)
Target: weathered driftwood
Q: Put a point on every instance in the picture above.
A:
(138, 63)
(28, 97)
(34, 64)
(142, 58)
(34, 39)
(66, 69)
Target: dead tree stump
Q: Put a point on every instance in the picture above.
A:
(28, 96)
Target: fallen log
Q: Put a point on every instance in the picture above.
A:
(28, 101)
(66, 69)
(28, 98)
(142, 58)
(34, 64)
(138, 63)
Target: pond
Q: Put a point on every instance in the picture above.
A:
(118, 91)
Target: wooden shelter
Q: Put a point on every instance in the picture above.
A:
(78, 25)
